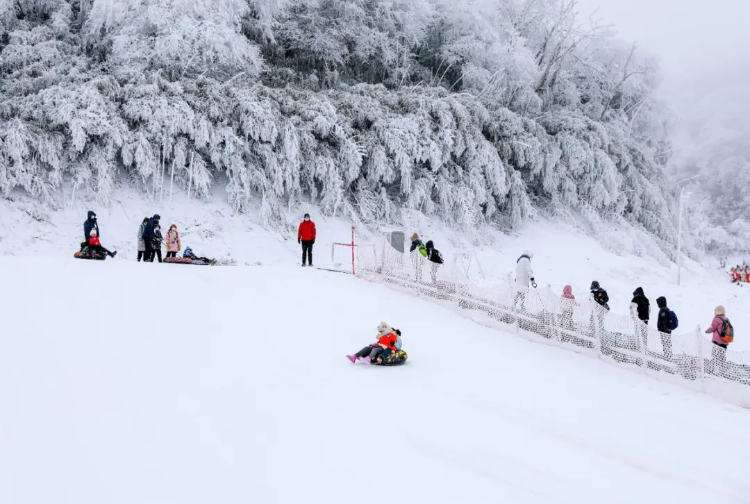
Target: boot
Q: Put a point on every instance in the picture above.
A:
(352, 358)
(112, 254)
(367, 360)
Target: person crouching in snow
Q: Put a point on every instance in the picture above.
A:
(384, 345)
(173, 241)
(96, 246)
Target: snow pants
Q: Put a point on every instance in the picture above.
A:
(719, 359)
(307, 246)
(373, 351)
(172, 254)
(666, 344)
(148, 254)
(100, 250)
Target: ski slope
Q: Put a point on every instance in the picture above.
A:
(144, 383)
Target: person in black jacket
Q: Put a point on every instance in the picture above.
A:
(149, 234)
(641, 309)
(663, 324)
(435, 258)
(599, 295)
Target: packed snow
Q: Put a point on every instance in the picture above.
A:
(125, 382)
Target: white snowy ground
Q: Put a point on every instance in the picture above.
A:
(131, 383)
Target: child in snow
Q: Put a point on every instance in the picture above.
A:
(568, 302)
(173, 241)
(663, 321)
(719, 351)
(384, 344)
(96, 246)
(141, 241)
(189, 254)
(158, 238)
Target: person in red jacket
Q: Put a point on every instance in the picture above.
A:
(306, 236)
(96, 246)
(385, 343)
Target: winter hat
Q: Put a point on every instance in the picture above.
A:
(595, 285)
(638, 292)
(528, 253)
(661, 301)
(93, 232)
(414, 237)
(429, 245)
(384, 329)
(173, 226)
(719, 310)
(157, 217)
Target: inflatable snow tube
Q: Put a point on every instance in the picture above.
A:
(394, 359)
(184, 260)
(92, 256)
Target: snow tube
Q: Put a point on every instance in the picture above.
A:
(394, 359)
(85, 254)
(184, 260)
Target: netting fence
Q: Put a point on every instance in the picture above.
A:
(685, 357)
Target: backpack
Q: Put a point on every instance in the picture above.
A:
(423, 250)
(436, 256)
(673, 322)
(727, 331)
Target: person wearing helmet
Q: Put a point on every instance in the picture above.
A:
(524, 275)
(96, 246)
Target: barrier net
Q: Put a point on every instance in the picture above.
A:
(686, 358)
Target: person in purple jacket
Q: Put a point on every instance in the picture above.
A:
(719, 351)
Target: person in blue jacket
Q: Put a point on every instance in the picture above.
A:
(89, 225)
(149, 235)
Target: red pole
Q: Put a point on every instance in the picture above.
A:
(353, 273)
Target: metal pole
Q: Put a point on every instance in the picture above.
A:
(353, 273)
(679, 238)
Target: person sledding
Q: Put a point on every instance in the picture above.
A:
(188, 254)
(378, 352)
(95, 246)
(89, 224)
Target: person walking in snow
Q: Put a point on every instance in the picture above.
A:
(149, 235)
(88, 225)
(641, 310)
(722, 334)
(95, 245)
(173, 241)
(306, 237)
(385, 342)
(664, 325)
(524, 275)
(599, 295)
(568, 303)
(141, 241)
(435, 258)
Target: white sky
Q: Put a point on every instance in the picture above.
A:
(703, 47)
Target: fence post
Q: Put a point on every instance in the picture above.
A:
(701, 360)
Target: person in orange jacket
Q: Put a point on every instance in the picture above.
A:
(96, 246)
(385, 343)
(306, 236)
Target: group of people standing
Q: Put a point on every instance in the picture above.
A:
(429, 252)
(640, 308)
(150, 240)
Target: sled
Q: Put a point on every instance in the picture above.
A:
(394, 359)
(184, 260)
(91, 257)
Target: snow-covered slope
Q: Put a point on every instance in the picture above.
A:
(125, 383)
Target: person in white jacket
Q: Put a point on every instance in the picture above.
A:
(524, 275)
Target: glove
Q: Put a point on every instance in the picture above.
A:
(299, 240)
(313, 242)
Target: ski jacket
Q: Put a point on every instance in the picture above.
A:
(388, 340)
(640, 304)
(94, 240)
(601, 297)
(715, 328)
(433, 254)
(568, 292)
(662, 320)
(149, 232)
(90, 224)
(173, 241)
(523, 270)
(141, 242)
(306, 231)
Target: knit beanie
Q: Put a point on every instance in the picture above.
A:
(719, 310)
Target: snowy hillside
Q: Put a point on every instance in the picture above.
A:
(127, 383)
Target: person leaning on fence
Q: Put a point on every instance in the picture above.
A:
(435, 258)
(524, 275)
(416, 244)
(722, 334)
(664, 323)
(640, 307)
(567, 302)
(601, 298)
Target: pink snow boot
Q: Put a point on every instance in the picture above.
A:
(352, 358)
(366, 360)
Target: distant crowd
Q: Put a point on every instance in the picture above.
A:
(740, 274)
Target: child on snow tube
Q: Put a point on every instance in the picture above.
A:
(94, 247)
(190, 255)
(378, 352)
